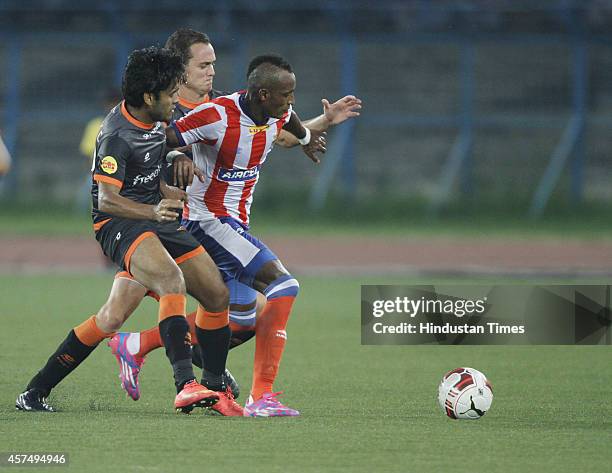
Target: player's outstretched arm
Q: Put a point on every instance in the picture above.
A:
(333, 114)
(110, 202)
(312, 141)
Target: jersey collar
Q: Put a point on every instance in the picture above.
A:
(192, 105)
(132, 120)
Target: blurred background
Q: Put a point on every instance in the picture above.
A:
(469, 105)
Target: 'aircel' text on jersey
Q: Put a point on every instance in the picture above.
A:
(233, 175)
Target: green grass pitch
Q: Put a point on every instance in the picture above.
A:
(365, 409)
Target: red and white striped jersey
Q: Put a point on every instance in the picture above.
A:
(229, 148)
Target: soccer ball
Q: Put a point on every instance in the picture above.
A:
(465, 393)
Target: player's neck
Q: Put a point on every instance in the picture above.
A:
(190, 95)
(139, 114)
(252, 108)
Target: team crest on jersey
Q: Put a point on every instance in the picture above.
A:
(235, 175)
(108, 165)
(253, 130)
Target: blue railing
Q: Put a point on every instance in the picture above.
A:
(457, 170)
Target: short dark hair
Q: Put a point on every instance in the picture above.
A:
(262, 72)
(273, 59)
(150, 70)
(182, 39)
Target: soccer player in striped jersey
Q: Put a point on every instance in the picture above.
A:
(131, 348)
(231, 139)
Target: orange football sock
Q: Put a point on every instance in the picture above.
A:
(270, 343)
(171, 305)
(89, 333)
(149, 341)
(211, 320)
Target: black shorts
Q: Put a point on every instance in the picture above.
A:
(119, 237)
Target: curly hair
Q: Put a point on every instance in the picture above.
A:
(150, 70)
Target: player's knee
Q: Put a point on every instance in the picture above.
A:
(110, 317)
(218, 299)
(271, 272)
(243, 315)
(171, 281)
(284, 286)
(213, 296)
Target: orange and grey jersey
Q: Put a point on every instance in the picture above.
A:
(129, 154)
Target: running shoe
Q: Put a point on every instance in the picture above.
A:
(33, 400)
(129, 365)
(231, 383)
(227, 405)
(268, 406)
(194, 395)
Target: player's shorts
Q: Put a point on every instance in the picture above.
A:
(237, 254)
(119, 237)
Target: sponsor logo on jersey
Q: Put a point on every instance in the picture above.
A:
(148, 178)
(108, 165)
(237, 175)
(147, 157)
(253, 130)
(155, 131)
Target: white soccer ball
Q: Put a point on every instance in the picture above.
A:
(465, 393)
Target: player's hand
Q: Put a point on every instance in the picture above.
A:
(341, 110)
(167, 210)
(184, 170)
(173, 193)
(318, 143)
